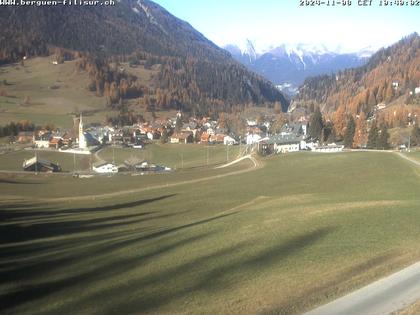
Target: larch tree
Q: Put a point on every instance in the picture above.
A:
(339, 121)
(360, 135)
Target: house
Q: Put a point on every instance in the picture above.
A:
(252, 139)
(36, 164)
(380, 106)
(328, 148)
(55, 143)
(205, 137)
(105, 168)
(42, 144)
(228, 140)
(25, 137)
(298, 129)
(182, 137)
(217, 138)
(282, 144)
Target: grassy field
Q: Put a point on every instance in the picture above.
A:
(415, 155)
(175, 155)
(281, 239)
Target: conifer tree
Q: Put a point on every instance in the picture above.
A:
(383, 138)
(316, 124)
(373, 136)
(415, 136)
(349, 134)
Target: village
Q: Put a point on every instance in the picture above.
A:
(82, 140)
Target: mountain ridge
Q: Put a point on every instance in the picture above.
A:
(194, 72)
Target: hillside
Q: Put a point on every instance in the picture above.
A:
(193, 73)
(390, 77)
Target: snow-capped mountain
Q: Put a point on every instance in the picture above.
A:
(290, 65)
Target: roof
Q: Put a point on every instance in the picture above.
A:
(182, 135)
(35, 160)
(287, 139)
(100, 164)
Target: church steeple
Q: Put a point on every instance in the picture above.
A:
(82, 140)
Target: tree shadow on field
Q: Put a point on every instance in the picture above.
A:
(19, 182)
(104, 271)
(26, 266)
(217, 277)
(26, 210)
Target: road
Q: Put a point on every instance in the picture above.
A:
(382, 297)
(256, 166)
(409, 159)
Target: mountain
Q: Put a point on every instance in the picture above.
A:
(392, 74)
(288, 66)
(192, 72)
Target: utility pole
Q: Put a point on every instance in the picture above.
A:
(409, 143)
(113, 155)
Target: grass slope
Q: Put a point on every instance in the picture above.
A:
(281, 239)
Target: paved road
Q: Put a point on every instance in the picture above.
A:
(382, 297)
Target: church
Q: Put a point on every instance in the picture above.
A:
(82, 139)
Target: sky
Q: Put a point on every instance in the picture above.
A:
(270, 23)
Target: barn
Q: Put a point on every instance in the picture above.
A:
(37, 164)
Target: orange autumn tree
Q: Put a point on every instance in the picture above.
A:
(340, 121)
(360, 135)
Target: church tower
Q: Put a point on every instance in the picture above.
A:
(82, 139)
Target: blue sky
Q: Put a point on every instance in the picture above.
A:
(274, 22)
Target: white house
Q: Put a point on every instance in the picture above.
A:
(228, 140)
(287, 147)
(284, 143)
(328, 148)
(105, 168)
(252, 138)
(42, 144)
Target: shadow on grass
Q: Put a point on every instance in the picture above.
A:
(310, 296)
(26, 211)
(114, 269)
(19, 182)
(53, 252)
(218, 277)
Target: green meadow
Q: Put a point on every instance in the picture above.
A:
(176, 156)
(297, 231)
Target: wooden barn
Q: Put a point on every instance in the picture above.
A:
(36, 164)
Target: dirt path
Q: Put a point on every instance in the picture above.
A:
(405, 157)
(256, 166)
